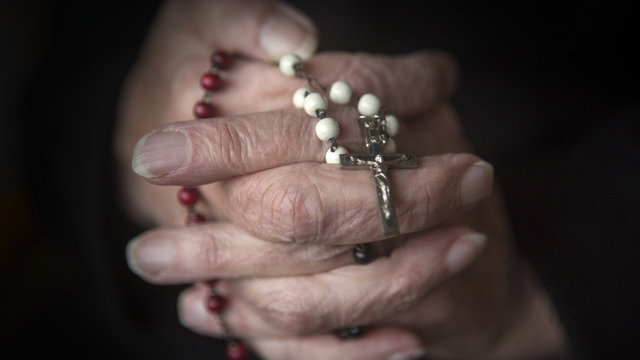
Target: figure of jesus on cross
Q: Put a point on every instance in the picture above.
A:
(379, 163)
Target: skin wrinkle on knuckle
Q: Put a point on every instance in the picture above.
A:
(408, 289)
(290, 127)
(235, 145)
(211, 255)
(246, 196)
(446, 190)
(287, 308)
(364, 77)
(414, 212)
(294, 207)
(316, 255)
(352, 221)
(428, 193)
(352, 311)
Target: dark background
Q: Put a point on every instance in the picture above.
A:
(548, 94)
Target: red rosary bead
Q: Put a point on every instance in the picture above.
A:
(237, 351)
(203, 110)
(215, 303)
(210, 81)
(188, 196)
(221, 59)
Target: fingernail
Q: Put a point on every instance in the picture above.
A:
(408, 355)
(464, 250)
(476, 183)
(151, 255)
(159, 153)
(288, 30)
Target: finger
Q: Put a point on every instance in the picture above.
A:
(407, 84)
(242, 321)
(222, 250)
(377, 344)
(382, 342)
(208, 150)
(353, 295)
(260, 29)
(321, 204)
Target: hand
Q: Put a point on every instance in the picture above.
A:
(163, 85)
(407, 313)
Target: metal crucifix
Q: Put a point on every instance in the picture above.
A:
(379, 163)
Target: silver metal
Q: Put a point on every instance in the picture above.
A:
(379, 163)
(313, 82)
(206, 97)
(334, 144)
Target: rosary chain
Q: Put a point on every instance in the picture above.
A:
(213, 69)
(315, 84)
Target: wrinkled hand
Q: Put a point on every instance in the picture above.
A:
(284, 223)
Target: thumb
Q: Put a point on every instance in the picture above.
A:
(260, 29)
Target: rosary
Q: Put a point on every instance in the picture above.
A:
(379, 127)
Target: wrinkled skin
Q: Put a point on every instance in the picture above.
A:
(282, 223)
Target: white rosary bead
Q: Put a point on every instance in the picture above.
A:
(314, 102)
(327, 128)
(340, 93)
(288, 64)
(390, 146)
(333, 157)
(393, 125)
(368, 105)
(298, 97)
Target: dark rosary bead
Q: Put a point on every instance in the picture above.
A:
(215, 303)
(221, 59)
(210, 81)
(350, 332)
(202, 110)
(362, 254)
(188, 196)
(237, 351)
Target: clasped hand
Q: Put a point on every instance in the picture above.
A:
(283, 224)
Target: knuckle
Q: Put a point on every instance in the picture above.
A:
(224, 142)
(294, 208)
(364, 73)
(408, 289)
(209, 253)
(288, 309)
(416, 210)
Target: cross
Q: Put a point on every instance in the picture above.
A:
(379, 163)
